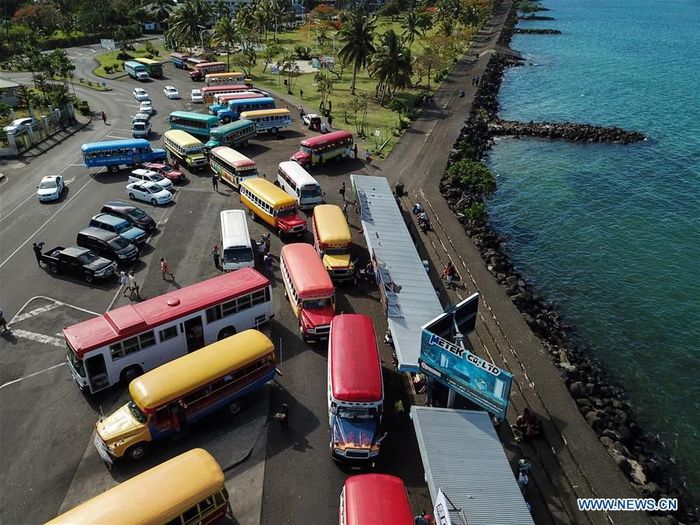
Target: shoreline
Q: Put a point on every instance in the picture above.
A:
(641, 456)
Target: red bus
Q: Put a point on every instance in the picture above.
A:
(203, 69)
(123, 343)
(226, 89)
(309, 289)
(355, 388)
(378, 499)
(322, 148)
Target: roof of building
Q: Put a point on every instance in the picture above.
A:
(411, 300)
(7, 84)
(463, 456)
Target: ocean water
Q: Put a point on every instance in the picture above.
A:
(612, 233)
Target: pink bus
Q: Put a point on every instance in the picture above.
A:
(376, 499)
(322, 148)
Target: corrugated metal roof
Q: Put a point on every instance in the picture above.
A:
(462, 455)
(410, 296)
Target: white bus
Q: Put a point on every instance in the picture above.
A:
(296, 181)
(123, 343)
(269, 120)
(236, 248)
(232, 166)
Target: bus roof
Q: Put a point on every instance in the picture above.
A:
(188, 373)
(209, 64)
(135, 318)
(153, 497)
(266, 113)
(256, 100)
(330, 223)
(239, 96)
(269, 192)
(234, 229)
(179, 55)
(233, 157)
(306, 270)
(227, 74)
(379, 499)
(148, 61)
(356, 373)
(182, 138)
(193, 115)
(224, 87)
(111, 144)
(320, 140)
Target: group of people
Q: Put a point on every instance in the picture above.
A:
(128, 281)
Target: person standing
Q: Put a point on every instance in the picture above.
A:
(3, 323)
(267, 240)
(216, 255)
(342, 191)
(124, 280)
(104, 117)
(37, 252)
(301, 94)
(345, 210)
(134, 285)
(267, 263)
(354, 150)
(215, 182)
(283, 416)
(165, 269)
(330, 120)
(330, 107)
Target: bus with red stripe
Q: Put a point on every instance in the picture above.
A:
(322, 148)
(378, 499)
(122, 344)
(209, 92)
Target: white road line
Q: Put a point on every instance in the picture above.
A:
(39, 338)
(118, 137)
(50, 299)
(35, 312)
(123, 130)
(30, 375)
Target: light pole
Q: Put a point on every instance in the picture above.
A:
(201, 35)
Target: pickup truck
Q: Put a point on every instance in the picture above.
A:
(80, 261)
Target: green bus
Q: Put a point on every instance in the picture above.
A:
(231, 135)
(198, 124)
(154, 68)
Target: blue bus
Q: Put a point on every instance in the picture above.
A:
(113, 153)
(193, 123)
(236, 107)
(179, 60)
(268, 120)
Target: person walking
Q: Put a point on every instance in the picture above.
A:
(267, 241)
(3, 323)
(216, 255)
(342, 191)
(134, 285)
(354, 150)
(330, 107)
(345, 210)
(165, 269)
(104, 116)
(448, 273)
(301, 94)
(267, 263)
(124, 280)
(215, 182)
(283, 416)
(37, 252)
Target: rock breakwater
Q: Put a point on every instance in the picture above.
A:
(564, 130)
(535, 17)
(538, 31)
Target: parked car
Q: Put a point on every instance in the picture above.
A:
(141, 117)
(78, 261)
(141, 175)
(148, 192)
(135, 215)
(50, 188)
(312, 121)
(171, 92)
(140, 95)
(107, 244)
(147, 107)
(19, 124)
(196, 96)
(141, 129)
(121, 226)
(166, 170)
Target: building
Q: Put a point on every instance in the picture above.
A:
(8, 92)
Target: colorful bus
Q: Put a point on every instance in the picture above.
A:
(231, 166)
(269, 120)
(188, 488)
(379, 499)
(232, 77)
(185, 148)
(114, 153)
(192, 62)
(236, 107)
(208, 93)
(309, 290)
(271, 204)
(166, 401)
(194, 123)
(179, 60)
(322, 148)
(296, 181)
(355, 389)
(231, 134)
(121, 344)
(236, 245)
(199, 71)
(153, 67)
(221, 100)
(333, 241)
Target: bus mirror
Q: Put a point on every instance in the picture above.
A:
(279, 372)
(379, 441)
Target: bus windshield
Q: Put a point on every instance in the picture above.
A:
(306, 149)
(336, 251)
(308, 192)
(136, 412)
(286, 212)
(77, 364)
(238, 254)
(315, 304)
(356, 412)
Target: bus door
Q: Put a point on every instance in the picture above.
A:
(194, 331)
(96, 372)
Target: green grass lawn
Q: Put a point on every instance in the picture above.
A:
(110, 59)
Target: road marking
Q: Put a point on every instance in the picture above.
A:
(123, 130)
(118, 137)
(39, 338)
(35, 312)
(30, 375)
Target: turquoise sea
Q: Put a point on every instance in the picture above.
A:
(612, 233)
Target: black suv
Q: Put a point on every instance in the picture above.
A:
(136, 216)
(79, 261)
(107, 244)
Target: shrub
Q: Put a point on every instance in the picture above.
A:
(398, 106)
(123, 55)
(149, 55)
(108, 69)
(302, 52)
(476, 212)
(473, 176)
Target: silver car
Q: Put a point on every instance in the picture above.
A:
(148, 192)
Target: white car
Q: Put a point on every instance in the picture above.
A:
(196, 96)
(148, 192)
(140, 95)
(141, 129)
(146, 107)
(141, 175)
(50, 188)
(140, 117)
(19, 123)
(171, 92)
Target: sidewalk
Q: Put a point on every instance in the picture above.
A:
(55, 139)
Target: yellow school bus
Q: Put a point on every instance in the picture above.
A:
(333, 241)
(186, 489)
(185, 148)
(271, 204)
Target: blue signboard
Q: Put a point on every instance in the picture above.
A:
(468, 374)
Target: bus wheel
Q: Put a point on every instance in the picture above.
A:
(137, 452)
(131, 373)
(114, 169)
(226, 332)
(245, 143)
(154, 202)
(253, 216)
(53, 268)
(234, 408)
(274, 131)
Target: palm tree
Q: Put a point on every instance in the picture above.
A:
(392, 64)
(161, 10)
(225, 34)
(356, 37)
(263, 17)
(411, 28)
(186, 22)
(221, 10)
(278, 9)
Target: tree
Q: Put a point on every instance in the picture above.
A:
(356, 37)
(428, 62)
(225, 34)
(290, 70)
(187, 21)
(245, 60)
(324, 86)
(42, 17)
(263, 17)
(271, 51)
(473, 176)
(24, 96)
(161, 10)
(278, 9)
(391, 64)
(411, 28)
(221, 10)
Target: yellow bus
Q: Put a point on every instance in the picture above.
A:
(273, 205)
(154, 68)
(166, 400)
(333, 241)
(188, 488)
(232, 77)
(185, 148)
(268, 120)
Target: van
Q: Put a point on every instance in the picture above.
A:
(185, 148)
(236, 248)
(127, 211)
(143, 175)
(267, 202)
(140, 129)
(296, 181)
(121, 227)
(107, 244)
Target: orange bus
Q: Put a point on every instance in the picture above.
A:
(309, 289)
